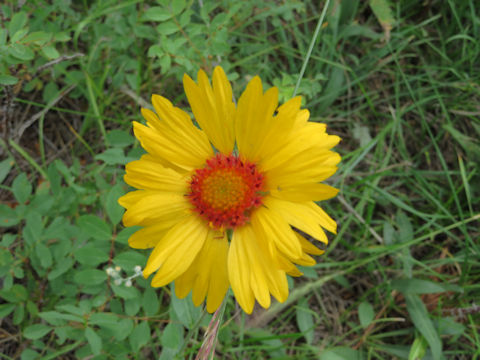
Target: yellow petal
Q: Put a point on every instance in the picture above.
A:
(146, 207)
(175, 252)
(239, 271)
(254, 118)
(260, 274)
(308, 247)
(213, 107)
(299, 215)
(182, 149)
(151, 175)
(149, 236)
(275, 229)
(305, 192)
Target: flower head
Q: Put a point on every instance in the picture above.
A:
(219, 202)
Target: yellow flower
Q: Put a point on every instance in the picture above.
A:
(218, 202)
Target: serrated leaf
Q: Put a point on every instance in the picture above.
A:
(421, 319)
(157, 13)
(7, 80)
(113, 209)
(38, 37)
(44, 255)
(90, 277)
(384, 15)
(177, 6)
(167, 28)
(365, 314)
(172, 336)
(123, 329)
(150, 302)
(186, 312)
(140, 336)
(6, 309)
(50, 52)
(21, 52)
(112, 156)
(62, 268)
(91, 255)
(18, 21)
(8, 216)
(94, 340)
(21, 188)
(36, 331)
(95, 227)
(120, 138)
(125, 292)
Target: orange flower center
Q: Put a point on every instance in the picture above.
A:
(225, 191)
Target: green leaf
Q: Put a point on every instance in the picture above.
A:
(186, 312)
(7, 80)
(177, 6)
(305, 320)
(172, 336)
(18, 21)
(157, 13)
(19, 35)
(333, 89)
(90, 277)
(125, 292)
(119, 138)
(50, 52)
(167, 28)
(140, 336)
(17, 293)
(405, 228)
(36, 331)
(44, 255)
(21, 188)
(107, 320)
(61, 268)
(37, 37)
(6, 164)
(129, 259)
(420, 318)
(18, 314)
(112, 207)
(150, 302)
(95, 227)
(112, 156)
(8, 216)
(91, 255)
(341, 353)
(6, 309)
(419, 286)
(123, 329)
(94, 340)
(21, 52)
(365, 314)
(52, 317)
(384, 15)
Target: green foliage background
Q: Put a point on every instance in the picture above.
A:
(399, 82)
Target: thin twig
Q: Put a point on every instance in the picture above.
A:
(24, 126)
(360, 218)
(58, 60)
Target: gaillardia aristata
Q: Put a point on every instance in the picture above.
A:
(219, 202)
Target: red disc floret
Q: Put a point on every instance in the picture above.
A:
(226, 190)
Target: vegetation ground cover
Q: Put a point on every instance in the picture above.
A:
(399, 82)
